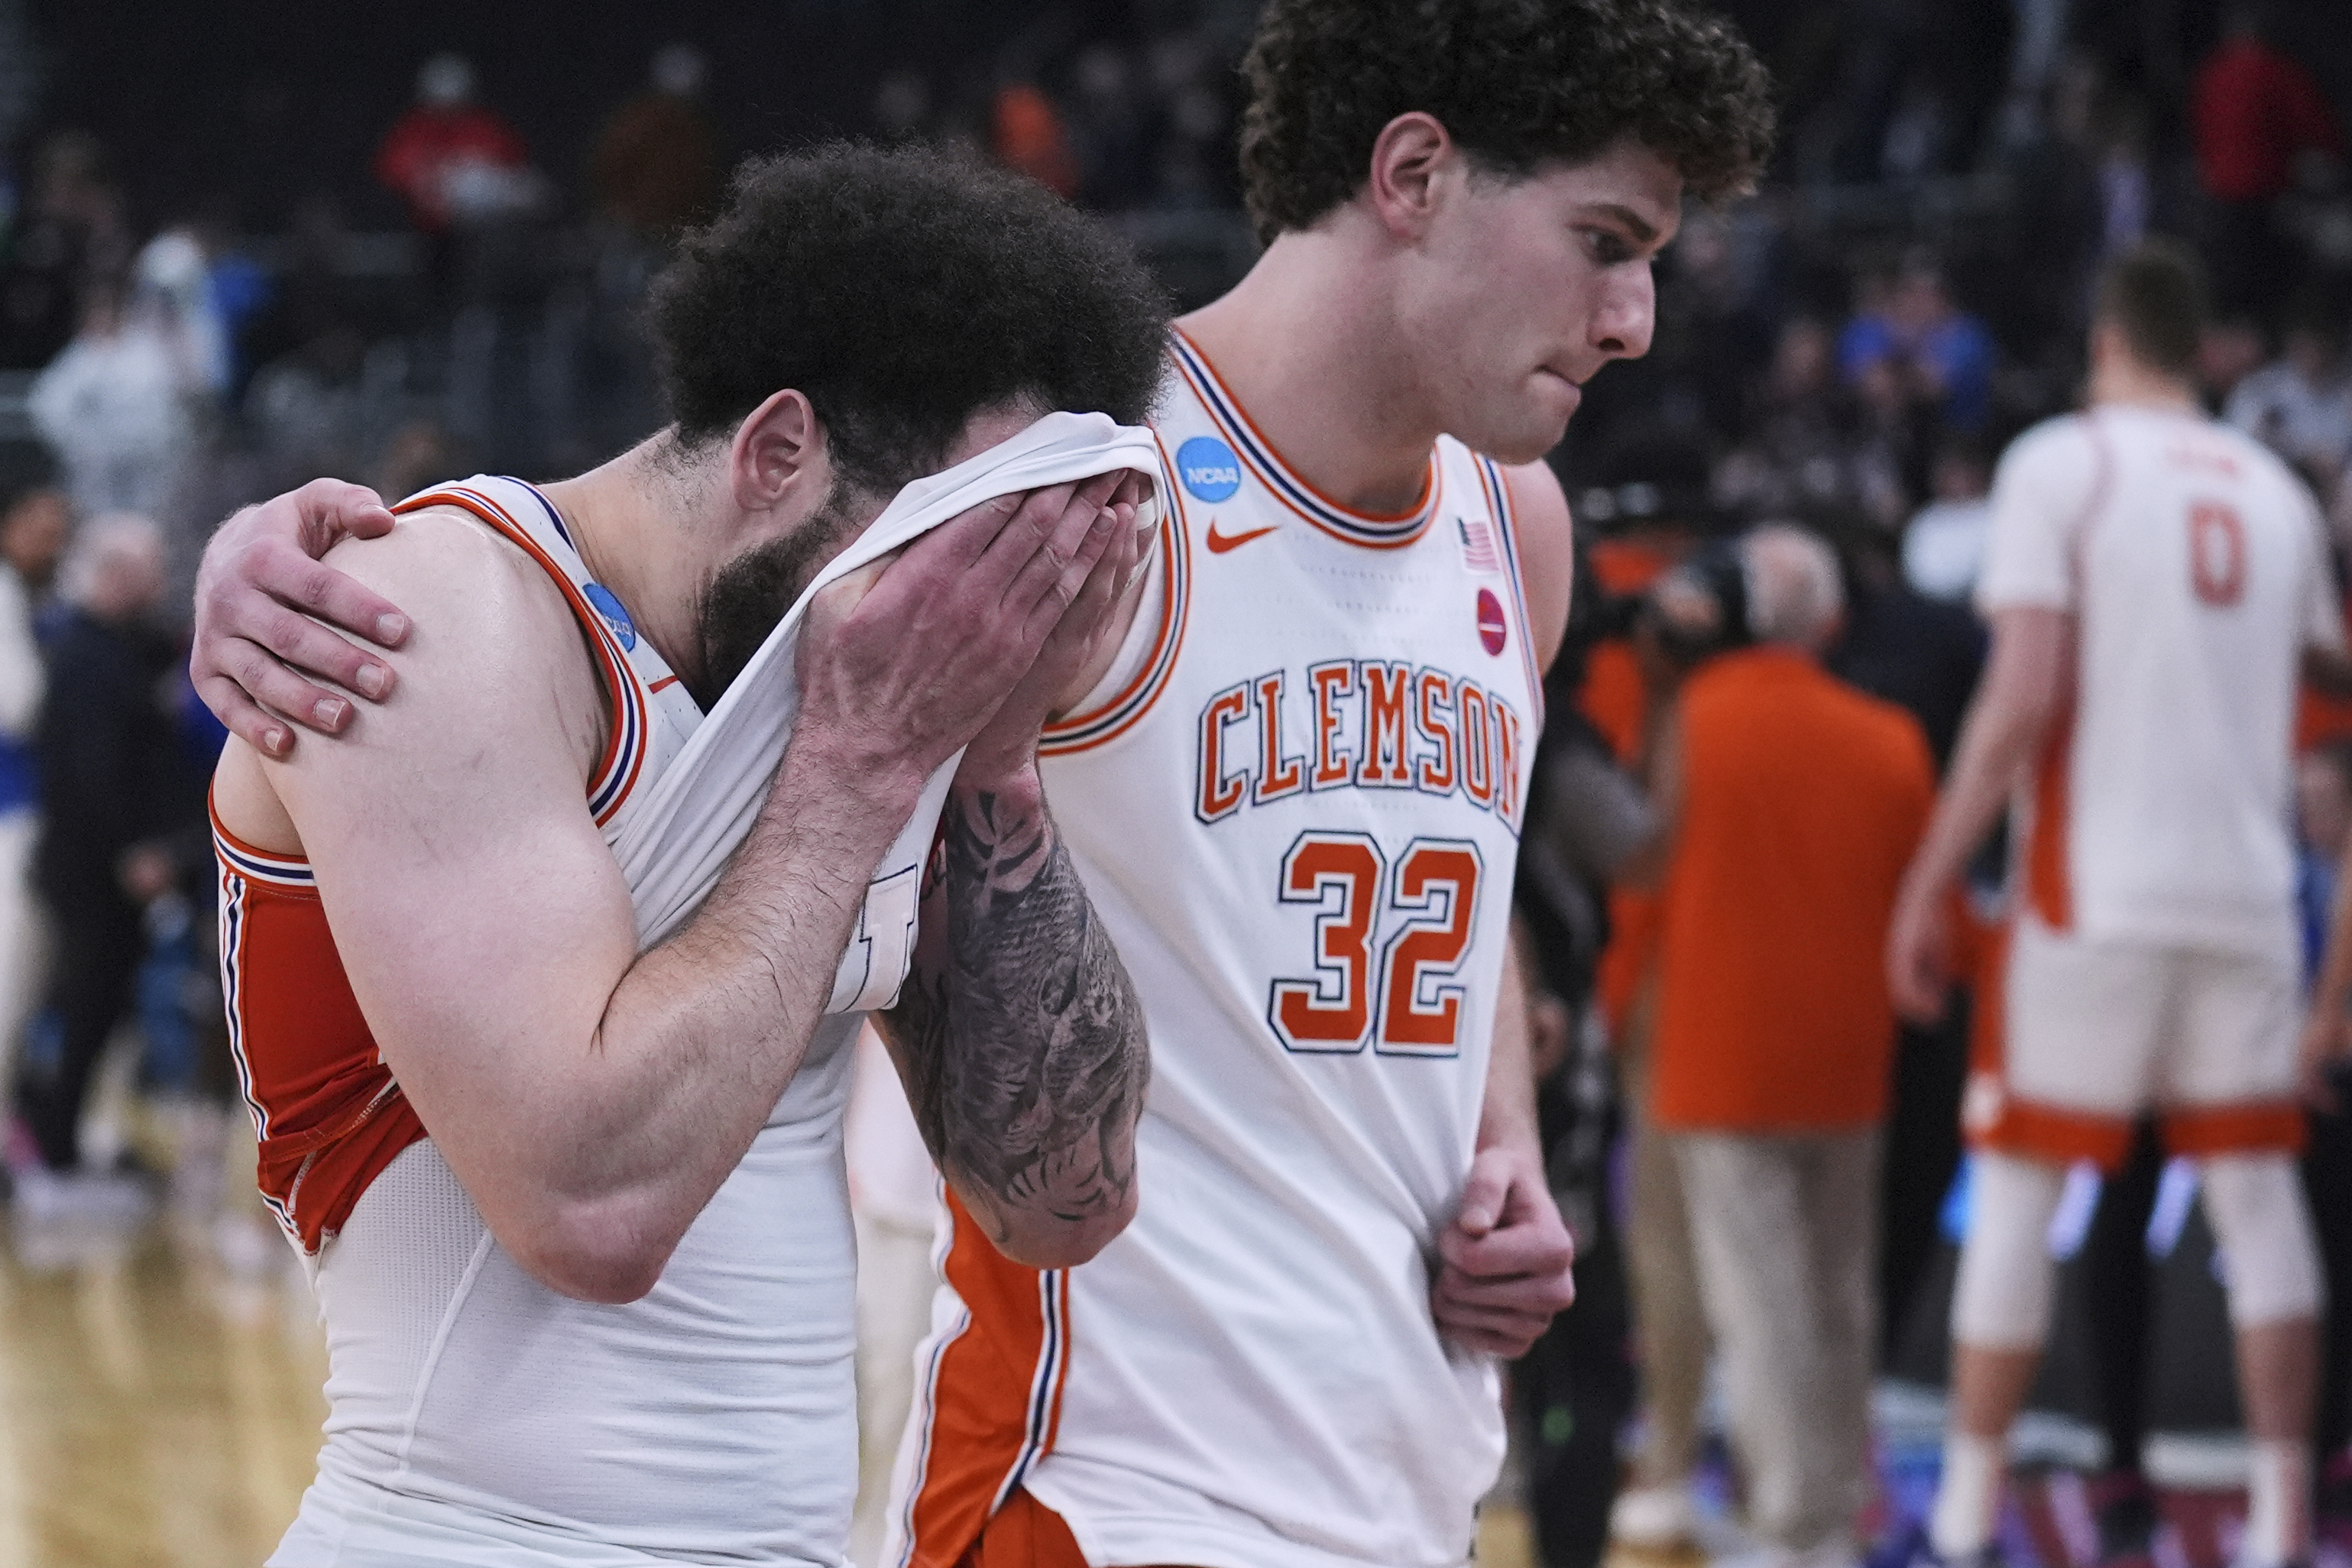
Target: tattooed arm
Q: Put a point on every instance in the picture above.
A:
(1019, 1035)
(1017, 1031)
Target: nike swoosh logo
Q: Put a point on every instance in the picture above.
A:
(1220, 542)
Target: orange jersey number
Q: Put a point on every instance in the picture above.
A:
(2217, 553)
(1344, 875)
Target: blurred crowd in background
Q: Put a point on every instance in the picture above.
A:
(451, 285)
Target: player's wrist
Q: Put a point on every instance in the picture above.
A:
(882, 782)
(1000, 770)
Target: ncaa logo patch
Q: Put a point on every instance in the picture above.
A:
(1493, 630)
(1209, 468)
(616, 615)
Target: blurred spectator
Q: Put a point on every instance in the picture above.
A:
(2254, 115)
(1692, 601)
(2055, 211)
(1112, 130)
(70, 232)
(1945, 544)
(117, 404)
(2127, 192)
(33, 526)
(1026, 134)
(2323, 796)
(171, 293)
(656, 165)
(1810, 444)
(307, 408)
(1922, 349)
(2300, 404)
(114, 791)
(1794, 804)
(1712, 326)
(2229, 350)
(1589, 826)
(1924, 655)
(450, 158)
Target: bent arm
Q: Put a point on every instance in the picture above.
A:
(1547, 540)
(1506, 1118)
(1019, 1034)
(589, 1099)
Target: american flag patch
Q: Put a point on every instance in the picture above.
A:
(1478, 544)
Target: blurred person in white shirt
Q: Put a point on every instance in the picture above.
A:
(1943, 547)
(2300, 404)
(117, 405)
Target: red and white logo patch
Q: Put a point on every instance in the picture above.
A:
(1493, 630)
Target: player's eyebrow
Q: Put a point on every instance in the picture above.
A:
(1642, 231)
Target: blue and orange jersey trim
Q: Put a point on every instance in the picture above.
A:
(1371, 530)
(988, 1401)
(1498, 486)
(328, 1115)
(625, 750)
(1087, 728)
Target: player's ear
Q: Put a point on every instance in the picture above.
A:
(777, 454)
(1412, 158)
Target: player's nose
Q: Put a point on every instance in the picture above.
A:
(1627, 316)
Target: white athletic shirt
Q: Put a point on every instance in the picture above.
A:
(2194, 564)
(1295, 805)
(479, 1418)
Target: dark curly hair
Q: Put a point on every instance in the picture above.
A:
(902, 291)
(1514, 82)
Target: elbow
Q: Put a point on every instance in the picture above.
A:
(1065, 1241)
(602, 1250)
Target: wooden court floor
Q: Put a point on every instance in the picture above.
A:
(160, 1403)
(159, 1406)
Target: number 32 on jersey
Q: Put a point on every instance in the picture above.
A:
(1398, 992)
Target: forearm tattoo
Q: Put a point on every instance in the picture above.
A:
(1024, 1040)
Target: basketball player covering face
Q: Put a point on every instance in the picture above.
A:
(1293, 790)
(576, 1214)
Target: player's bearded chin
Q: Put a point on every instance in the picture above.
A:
(750, 593)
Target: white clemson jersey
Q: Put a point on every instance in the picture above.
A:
(1295, 803)
(2195, 566)
(475, 1416)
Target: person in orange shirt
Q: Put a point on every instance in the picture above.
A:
(1794, 802)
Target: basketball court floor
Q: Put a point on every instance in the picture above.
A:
(159, 1395)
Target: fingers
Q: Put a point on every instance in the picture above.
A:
(329, 510)
(1103, 586)
(245, 718)
(1915, 977)
(1499, 1315)
(1514, 1252)
(1919, 989)
(1482, 1198)
(1057, 603)
(259, 675)
(1503, 1333)
(965, 539)
(1073, 540)
(1021, 525)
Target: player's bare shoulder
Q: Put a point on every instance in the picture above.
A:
(493, 633)
(1547, 540)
